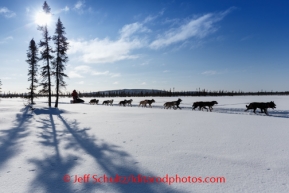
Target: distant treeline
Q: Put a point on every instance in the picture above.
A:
(148, 93)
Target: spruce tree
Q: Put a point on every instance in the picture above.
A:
(32, 60)
(58, 64)
(46, 57)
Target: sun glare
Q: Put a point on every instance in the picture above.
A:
(42, 18)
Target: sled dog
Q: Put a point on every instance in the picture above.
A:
(262, 106)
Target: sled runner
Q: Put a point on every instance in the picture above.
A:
(77, 101)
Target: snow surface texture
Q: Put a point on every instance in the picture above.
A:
(38, 148)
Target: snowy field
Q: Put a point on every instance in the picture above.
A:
(73, 148)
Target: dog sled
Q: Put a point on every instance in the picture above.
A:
(77, 101)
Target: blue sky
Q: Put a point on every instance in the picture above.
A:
(155, 44)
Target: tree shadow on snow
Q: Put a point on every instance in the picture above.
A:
(112, 161)
(49, 111)
(110, 158)
(51, 169)
(11, 138)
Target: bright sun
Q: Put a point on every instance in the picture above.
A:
(42, 18)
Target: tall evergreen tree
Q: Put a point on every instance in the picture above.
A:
(58, 64)
(46, 57)
(32, 60)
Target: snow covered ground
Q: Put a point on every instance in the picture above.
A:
(41, 149)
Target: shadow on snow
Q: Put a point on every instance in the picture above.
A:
(11, 138)
(110, 158)
(53, 167)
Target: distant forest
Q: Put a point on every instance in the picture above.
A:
(149, 93)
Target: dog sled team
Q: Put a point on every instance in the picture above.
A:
(201, 105)
(175, 104)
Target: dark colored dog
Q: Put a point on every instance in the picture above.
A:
(150, 102)
(93, 101)
(123, 103)
(105, 102)
(129, 102)
(196, 105)
(108, 102)
(262, 106)
(202, 105)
